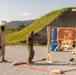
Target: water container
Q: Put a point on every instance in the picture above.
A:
(54, 35)
(52, 47)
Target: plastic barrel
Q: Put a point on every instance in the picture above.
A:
(52, 47)
(54, 35)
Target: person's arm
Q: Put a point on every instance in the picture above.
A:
(0, 38)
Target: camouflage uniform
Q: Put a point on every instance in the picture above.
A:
(30, 41)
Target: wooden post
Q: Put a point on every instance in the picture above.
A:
(49, 59)
(48, 38)
(58, 36)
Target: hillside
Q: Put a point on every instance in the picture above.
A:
(37, 26)
(17, 24)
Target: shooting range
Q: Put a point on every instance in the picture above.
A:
(60, 39)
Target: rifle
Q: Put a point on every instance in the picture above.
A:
(36, 34)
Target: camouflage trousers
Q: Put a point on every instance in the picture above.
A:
(31, 53)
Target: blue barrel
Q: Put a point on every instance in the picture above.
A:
(52, 47)
(54, 35)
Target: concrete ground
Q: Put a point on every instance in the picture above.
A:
(20, 54)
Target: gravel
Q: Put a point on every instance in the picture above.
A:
(19, 53)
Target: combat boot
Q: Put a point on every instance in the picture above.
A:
(29, 63)
(3, 60)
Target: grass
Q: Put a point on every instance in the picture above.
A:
(38, 25)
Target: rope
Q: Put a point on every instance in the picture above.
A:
(20, 63)
(41, 69)
(44, 70)
(69, 70)
(35, 68)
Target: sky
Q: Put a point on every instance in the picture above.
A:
(21, 10)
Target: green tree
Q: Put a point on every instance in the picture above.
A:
(4, 22)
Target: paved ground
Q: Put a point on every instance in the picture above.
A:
(19, 53)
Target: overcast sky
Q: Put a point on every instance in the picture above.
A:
(30, 9)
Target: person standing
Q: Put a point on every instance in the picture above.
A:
(30, 42)
(2, 45)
